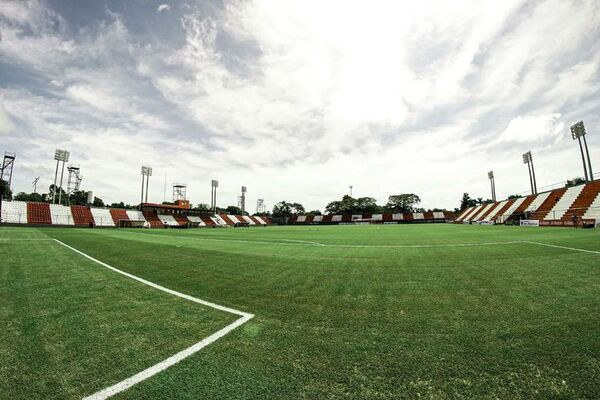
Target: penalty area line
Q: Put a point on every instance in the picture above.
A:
(174, 359)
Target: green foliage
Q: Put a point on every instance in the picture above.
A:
(98, 202)
(314, 212)
(575, 181)
(400, 203)
(285, 209)
(514, 196)
(5, 191)
(122, 205)
(78, 197)
(202, 207)
(233, 210)
(22, 196)
(350, 205)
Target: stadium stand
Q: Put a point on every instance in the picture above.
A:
(397, 217)
(536, 202)
(318, 218)
(208, 221)
(564, 203)
(220, 221)
(467, 215)
(248, 220)
(82, 215)
(439, 215)
(377, 217)
(495, 210)
(149, 216)
(227, 220)
(551, 199)
(584, 201)
(116, 214)
(418, 216)
(336, 218)
(464, 213)
(593, 211)
(182, 220)
(14, 212)
(485, 212)
(61, 215)
(300, 218)
(197, 220)
(168, 220)
(38, 213)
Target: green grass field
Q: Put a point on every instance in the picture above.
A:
(355, 312)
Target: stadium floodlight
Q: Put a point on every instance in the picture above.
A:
(60, 156)
(214, 184)
(146, 174)
(528, 159)
(493, 184)
(578, 133)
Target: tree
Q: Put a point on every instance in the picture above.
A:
(22, 196)
(78, 197)
(59, 193)
(98, 202)
(285, 209)
(514, 196)
(400, 203)
(314, 212)
(5, 191)
(575, 181)
(233, 210)
(202, 207)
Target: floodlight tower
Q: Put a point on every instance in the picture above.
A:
(34, 184)
(214, 184)
(59, 156)
(146, 174)
(243, 200)
(260, 206)
(75, 179)
(528, 159)
(179, 191)
(577, 133)
(7, 165)
(493, 183)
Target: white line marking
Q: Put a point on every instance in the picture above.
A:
(304, 241)
(23, 240)
(562, 247)
(174, 359)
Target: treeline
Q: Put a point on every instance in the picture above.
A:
(399, 203)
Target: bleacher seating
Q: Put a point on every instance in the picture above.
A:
(102, 216)
(208, 221)
(182, 220)
(220, 221)
(117, 215)
(168, 220)
(148, 216)
(249, 220)
(196, 220)
(227, 220)
(551, 200)
(563, 204)
(14, 212)
(593, 211)
(397, 217)
(38, 213)
(418, 216)
(61, 215)
(301, 218)
(82, 215)
(439, 215)
(495, 210)
(584, 201)
(260, 220)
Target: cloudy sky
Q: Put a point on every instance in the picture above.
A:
(297, 100)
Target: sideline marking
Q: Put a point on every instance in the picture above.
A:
(562, 247)
(22, 240)
(174, 359)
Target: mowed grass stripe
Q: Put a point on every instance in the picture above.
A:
(513, 321)
(71, 327)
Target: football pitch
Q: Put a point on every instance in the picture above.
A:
(430, 311)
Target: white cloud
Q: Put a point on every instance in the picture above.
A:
(6, 125)
(299, 100)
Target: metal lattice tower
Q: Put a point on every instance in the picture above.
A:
(75, 179)
(179, 191)
(260, 206)
(7, 168)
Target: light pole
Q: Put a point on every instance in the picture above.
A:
(577, 133)
(146, 173)
(59, 156)
(493, 184)
(528, 159)
(214, 184)
(351, 190)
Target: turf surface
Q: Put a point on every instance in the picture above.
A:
(376, 312)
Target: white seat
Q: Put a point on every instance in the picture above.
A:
(248, 220)
(102, 217)
(168, 220)
(336, 218)
(301, 218)
(418, 216)
(14, 212)
(511, 209)
(61, 215)
(566, 201)
(593, 212)
(377, 217)
(438, 215)
(136, 215)
(397, 217)
(262, 221)
(194, 219)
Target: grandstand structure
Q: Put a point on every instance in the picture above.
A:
(384, 218)
(559, 207)
(151, 215)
